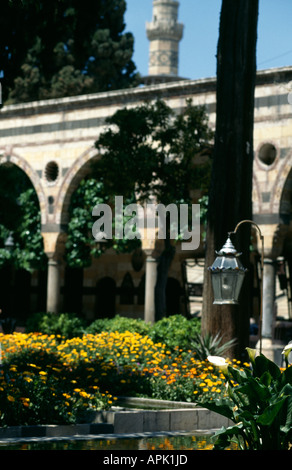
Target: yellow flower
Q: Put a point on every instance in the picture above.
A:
(25, 401)
(10, 398)
(27, 379)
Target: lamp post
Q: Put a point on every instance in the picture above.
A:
(228, 274)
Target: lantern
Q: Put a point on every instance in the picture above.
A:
(227, 275)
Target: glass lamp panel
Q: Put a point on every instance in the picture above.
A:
(227, 286)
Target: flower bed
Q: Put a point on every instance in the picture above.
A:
(50, 379)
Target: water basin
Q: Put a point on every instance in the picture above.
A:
(195, 441)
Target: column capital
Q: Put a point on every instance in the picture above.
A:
(53, 244)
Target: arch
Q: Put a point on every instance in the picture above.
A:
(75, 174)
(278, 197)
(12, 158)
(282, 207)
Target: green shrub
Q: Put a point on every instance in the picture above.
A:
(120, 324)
(67, 325)
(175, 331)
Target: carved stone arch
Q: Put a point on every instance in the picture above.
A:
(282, 190)
(10, 157)
(282, 203)
(80, 169)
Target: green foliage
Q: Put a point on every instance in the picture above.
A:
(142, 143)
(64, 48)
(14, 182)
(80, 244)
(260, 405)
(29, 250)
(120, 324)
(66, 325)
(20, 215)
(175, 331)
(209, 345)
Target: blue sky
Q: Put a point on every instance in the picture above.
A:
(201, 28)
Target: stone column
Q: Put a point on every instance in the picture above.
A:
(150, 282)
(269, 287)
(269, 349)
(274, 236)
(52, 250)
(53, 286)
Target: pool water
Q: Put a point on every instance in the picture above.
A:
(179, 442)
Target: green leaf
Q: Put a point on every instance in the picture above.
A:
(223, 406)
(266, 379)
(287, 428)
(270, 413)
(224, 436)
(263, 364)
(239, 375)
(257, 393)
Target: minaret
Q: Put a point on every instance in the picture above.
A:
(164, 34)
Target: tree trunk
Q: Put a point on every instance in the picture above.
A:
(230, 193)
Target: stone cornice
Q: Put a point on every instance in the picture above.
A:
(130, 95)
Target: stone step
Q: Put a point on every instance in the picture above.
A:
(122, 421)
